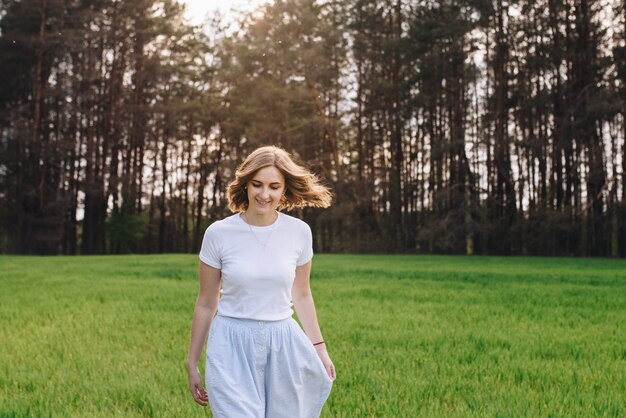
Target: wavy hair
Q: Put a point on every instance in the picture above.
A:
(302, 187)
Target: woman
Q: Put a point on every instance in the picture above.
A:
(259, 362)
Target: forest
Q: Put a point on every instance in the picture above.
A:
(442, 127)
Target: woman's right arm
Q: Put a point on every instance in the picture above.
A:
(206, 306)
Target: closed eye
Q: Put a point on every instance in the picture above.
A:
(258, 185)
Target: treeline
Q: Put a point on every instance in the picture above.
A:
(469, 127)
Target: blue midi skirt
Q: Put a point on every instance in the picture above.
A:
(263, 369)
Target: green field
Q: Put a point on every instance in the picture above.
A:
(409, 335)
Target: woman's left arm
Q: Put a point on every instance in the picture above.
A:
(302, 300)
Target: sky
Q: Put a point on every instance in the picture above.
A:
(197, 10)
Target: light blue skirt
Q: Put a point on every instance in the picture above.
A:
(261, 369)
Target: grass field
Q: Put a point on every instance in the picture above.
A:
(409, 336)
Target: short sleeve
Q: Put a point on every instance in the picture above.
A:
(306, 254)
(210, 250)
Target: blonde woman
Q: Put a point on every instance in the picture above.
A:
(259, 362)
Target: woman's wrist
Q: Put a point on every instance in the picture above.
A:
(320, 348)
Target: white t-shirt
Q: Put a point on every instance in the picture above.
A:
(257, 281)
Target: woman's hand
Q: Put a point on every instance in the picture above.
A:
(196, 388)
(328, 363)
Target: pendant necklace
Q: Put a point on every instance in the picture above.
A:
(264, 245)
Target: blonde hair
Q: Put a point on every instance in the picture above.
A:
(302, 188)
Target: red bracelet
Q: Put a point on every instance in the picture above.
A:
(321, 342)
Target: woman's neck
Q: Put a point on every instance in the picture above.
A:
(256, 219)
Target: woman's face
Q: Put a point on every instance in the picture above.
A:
(265, 190)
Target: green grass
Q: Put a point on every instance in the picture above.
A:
(409, 336)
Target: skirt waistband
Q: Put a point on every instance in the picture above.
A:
(254, 323)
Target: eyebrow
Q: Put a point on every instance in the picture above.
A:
(259, 181)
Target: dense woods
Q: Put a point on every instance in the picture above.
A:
(469, 127)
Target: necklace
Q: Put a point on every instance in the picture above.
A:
(263, 244)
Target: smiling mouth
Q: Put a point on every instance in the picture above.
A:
(263, 203)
